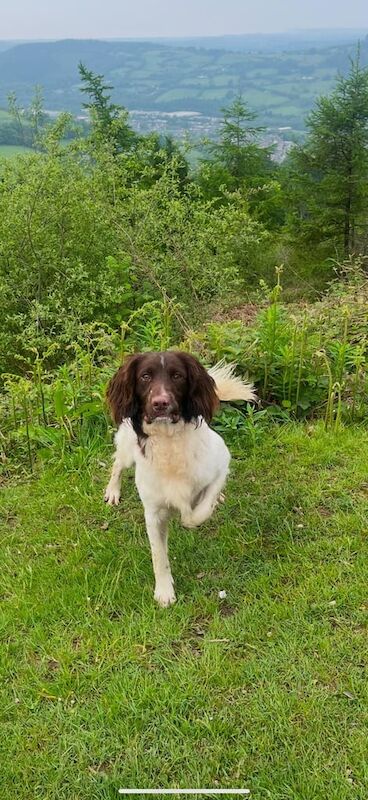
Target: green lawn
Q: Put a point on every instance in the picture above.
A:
(10, 150)
(266, 689)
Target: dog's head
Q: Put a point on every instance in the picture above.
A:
(161, 387)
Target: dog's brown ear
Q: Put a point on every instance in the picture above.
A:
(120, 394)
(201, 399)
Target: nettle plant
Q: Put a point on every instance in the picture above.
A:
(301, 367)
(51, 413)
(60, 414)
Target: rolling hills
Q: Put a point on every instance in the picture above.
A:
(280, 85)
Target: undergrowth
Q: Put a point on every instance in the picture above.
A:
(306, 361)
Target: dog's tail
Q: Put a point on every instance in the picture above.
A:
(228, 385)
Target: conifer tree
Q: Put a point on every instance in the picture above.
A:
(328, 175)
(109, 120)
(238, 148)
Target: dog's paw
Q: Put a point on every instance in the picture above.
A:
(189, 522)
(165, 596)
(112, 496)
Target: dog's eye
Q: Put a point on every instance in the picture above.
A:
(177, 376)
(145, 377)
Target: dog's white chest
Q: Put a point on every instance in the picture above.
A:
(171, 466)
(168, 457)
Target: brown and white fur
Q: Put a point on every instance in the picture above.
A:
(163, 404)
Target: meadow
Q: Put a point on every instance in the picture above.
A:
(10, 150)
(265, 690)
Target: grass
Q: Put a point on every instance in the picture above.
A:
(266, 689)
(10, 150)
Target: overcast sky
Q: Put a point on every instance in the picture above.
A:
(33, 19)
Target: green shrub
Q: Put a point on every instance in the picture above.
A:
(81, 241)
(304, 362)
(60, 414)
(308, 360)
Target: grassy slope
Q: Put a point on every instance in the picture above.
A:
(10, 150)
(266, 689)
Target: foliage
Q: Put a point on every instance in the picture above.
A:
(237, 161)
(56, 236)
(328, 175)
(109, 120)
(237, 149)
(80, 242)
(191, 248)
(305, 362)
(59, 414)
(27, 122)
(308, 361)
(153, 155)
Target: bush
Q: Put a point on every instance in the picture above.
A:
(79, 243)
(309, 360)
(304, 361)
(60, 414)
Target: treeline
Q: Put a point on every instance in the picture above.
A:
(23, 126)
(94, 228)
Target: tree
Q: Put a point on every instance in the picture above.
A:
(238, 150)
(239, 162)
(153, 155)
(328, 176)
(35, 113)
(109, 120)
(29, 122)
(237, 154)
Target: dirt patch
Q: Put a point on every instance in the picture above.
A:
(245, 313)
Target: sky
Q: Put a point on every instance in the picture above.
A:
(48, 19)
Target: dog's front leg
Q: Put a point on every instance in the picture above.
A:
(157, 520)
(112, 491)
(206, 505)
(124, 458)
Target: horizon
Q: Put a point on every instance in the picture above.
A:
(259, 32)
(281, 32)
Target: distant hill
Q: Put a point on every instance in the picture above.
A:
(150, 76)
(271, 42)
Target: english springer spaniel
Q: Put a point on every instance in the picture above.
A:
(163, 404)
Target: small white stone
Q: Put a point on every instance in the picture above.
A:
(222, 594)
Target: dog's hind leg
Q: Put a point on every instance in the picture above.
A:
(157, 520)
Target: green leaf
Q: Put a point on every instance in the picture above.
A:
(59, 402)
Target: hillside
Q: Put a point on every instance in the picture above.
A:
(155, 77)
(272, 42)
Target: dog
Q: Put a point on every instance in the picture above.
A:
(163, 404)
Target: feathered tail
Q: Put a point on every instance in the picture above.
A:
(228, 385)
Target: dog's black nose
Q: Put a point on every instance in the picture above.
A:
(160, 404)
